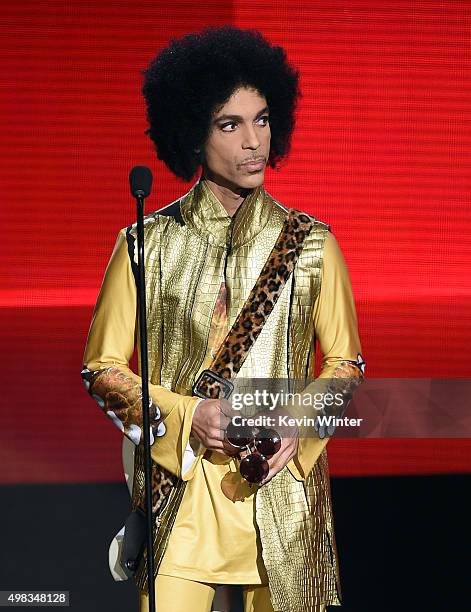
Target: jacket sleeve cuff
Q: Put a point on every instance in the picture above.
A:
(194, 450)
(172, 450)
(309, 450)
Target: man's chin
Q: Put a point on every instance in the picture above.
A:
(241, 182)
(250, 181)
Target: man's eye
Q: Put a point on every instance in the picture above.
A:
(223, 127)
(265, 118)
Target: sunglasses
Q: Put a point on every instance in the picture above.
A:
(261, 444)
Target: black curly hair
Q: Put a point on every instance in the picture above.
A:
(194, 76)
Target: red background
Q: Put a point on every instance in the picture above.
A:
(381, 153)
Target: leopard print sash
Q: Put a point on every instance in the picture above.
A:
(258, 306)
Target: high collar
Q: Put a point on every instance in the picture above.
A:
(204, 213)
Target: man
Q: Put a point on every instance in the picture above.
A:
(224, 99)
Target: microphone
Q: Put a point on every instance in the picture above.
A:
(140, 181)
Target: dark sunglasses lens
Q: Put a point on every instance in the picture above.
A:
(254, 468)
(268, 442)
(240, 436)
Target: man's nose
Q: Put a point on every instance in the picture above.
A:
(250, 140)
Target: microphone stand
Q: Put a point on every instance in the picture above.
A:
(145, 400)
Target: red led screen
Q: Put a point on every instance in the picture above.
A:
(380, 152)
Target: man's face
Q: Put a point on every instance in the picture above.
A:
(239, 132)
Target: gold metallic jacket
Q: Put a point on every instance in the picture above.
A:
(191, 246)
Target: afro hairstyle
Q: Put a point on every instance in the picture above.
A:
(194, 76)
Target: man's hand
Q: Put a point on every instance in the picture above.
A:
(209, 424)
(289, 448)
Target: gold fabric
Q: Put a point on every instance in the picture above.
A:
(282, 534)
(180, 595)
(214, 538)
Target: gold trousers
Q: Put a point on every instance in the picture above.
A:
(180, 595)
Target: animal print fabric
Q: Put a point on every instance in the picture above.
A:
(261, 301)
